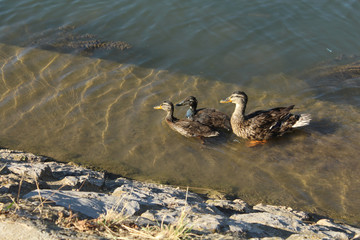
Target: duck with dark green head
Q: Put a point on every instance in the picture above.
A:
(261, 125)
(185, 127)
(207, 116)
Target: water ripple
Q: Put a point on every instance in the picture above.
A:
(99, 112)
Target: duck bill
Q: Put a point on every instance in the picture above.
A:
(181, 103)
(226, 101)
(158, 107)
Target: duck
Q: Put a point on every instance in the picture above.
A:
(207, 116)
(262, 125)
(185, 127)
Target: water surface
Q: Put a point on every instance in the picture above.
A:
(96, 107)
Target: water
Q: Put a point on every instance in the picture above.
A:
(96, 107)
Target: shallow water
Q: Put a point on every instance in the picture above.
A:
(96, 107)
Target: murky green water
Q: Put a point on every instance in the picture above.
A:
(96, 107)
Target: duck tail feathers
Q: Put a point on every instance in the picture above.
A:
(304, 120)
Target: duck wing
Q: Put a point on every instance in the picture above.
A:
(264, 124)
(190, 128)
(212, 118)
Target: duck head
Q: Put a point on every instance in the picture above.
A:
(190, 101)
(237, 97)
(166, 106)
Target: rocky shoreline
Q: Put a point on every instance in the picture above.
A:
(44, 199)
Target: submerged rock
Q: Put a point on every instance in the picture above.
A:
(66, 38)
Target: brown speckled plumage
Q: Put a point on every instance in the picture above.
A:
(207, 116)
(185, 127)
(264, 124)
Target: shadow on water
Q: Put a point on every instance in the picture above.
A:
(324, 126)
(223, 138)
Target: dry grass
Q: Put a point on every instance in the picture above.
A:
(112, 217)
(42, 200)
(115, 224)
(178, 230)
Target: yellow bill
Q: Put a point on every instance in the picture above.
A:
(226, 101)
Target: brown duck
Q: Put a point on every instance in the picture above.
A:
(185, 127)
(261, 125)
(207, 116)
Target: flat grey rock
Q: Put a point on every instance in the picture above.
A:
(268, 219)
(88, 203)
